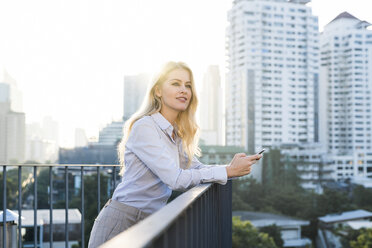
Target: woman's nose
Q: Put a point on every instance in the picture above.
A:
(183, 88)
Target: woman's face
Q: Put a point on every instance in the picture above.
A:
(176, 91)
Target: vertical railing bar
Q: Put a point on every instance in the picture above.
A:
(204, 218)
(82, 208)
(220, 221)
(114, 172)
(66, 206)
(4, 206)
(215, 221)
(190, 226)
(165, 244)
(51, 207)
(208, 217)
(19, 206)
(98, 189)
(35, 206)
(186, 230)
(200, 228)
(229, 211)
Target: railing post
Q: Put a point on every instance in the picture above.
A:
(51, 207)
(20, 206)
(225, 203)
(82, 209)
(98, 189)
(4, 206)
(66, 206)
(35, 206)
(114, 174)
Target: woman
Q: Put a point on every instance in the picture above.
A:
(158, 150)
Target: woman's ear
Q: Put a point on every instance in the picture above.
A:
(157, 91)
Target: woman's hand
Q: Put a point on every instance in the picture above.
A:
(241, 165)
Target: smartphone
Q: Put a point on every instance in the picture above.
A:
(262, 151)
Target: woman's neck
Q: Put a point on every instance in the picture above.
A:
(170, 116)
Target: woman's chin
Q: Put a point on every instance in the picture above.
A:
(181, 108)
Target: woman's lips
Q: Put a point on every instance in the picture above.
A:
(182, 99)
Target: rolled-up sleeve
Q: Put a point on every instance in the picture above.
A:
(147, 144)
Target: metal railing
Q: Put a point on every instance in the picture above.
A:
(200, 217)
(83, 168)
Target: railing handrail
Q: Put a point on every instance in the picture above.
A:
(157, 223)
(61, 165)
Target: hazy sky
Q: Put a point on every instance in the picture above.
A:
(69, 57)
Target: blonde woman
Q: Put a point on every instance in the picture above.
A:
(157, 154)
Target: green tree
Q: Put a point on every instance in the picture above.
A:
(12, 186)
(332, 201)
(364, 240)
(246, 235)
(362, 197)
(274, 232)
(351, 235)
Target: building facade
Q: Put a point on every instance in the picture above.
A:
(308, 162)
(111, 134)
(272, 79)
(211, 108)
(134, 93)
(346, 85)
(12, 135)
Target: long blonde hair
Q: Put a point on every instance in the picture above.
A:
(188, 130)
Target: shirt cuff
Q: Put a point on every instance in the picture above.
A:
(219, 174)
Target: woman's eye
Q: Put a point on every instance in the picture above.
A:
(175, 83)
(188, 86)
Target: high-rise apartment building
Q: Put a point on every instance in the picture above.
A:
(12, 123)
(111, 134)
(272, 80)
(15, 95)
(211, 108)
(4, 92)
(134, 92)
(12, 135)
(81, 139)
(346, 86)
(42, 140)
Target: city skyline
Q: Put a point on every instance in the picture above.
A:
(87, 55)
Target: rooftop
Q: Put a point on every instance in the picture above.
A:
(346, 216)
(346, 15)
(356, 225)
(259, 219)
(10, 216)
(74, 216)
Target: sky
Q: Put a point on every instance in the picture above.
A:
(69, 57)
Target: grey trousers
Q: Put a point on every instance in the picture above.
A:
(114, 218)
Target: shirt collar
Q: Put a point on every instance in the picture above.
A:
(163, 123)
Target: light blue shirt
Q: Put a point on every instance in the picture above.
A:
(155, 164)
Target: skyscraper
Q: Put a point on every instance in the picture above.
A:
(12, 135)
(12, 123)
(211, 112)
(134, 92)
(272, 80)
(81, 139)
(346, 83)
(111, 134)
(15, 95)
(4, 92)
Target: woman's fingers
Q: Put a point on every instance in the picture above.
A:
(241, 164)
